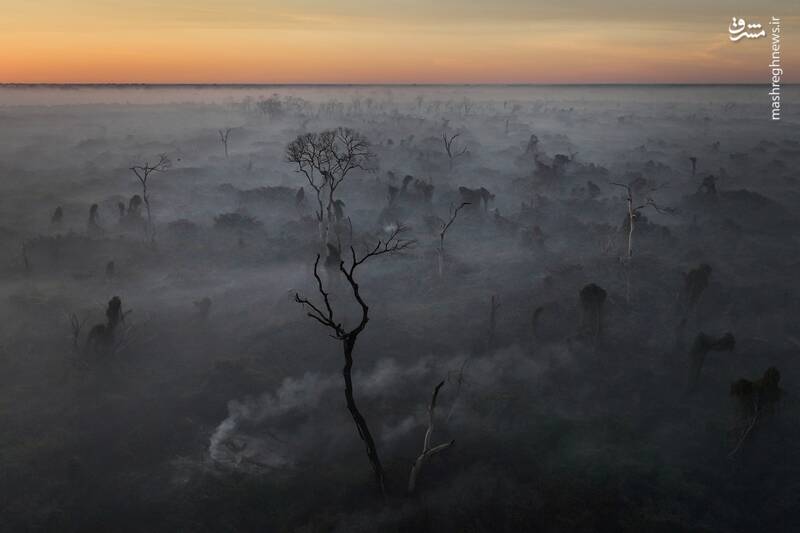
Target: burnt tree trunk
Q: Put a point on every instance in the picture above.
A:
(361, 424)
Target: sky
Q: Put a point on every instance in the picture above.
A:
(400, 41)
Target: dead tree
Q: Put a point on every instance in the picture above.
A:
(93, 224)
(392, 193)
(478, 197)
(324, 314)
(425, 190)
(451, 151)
(443, 231)
(533, 145)
(75, 358)
(102, 338)
(427, 450)
(57, 217)
(695, 283)
(134, 204)
(700, 347)
(325, 159)
(708, 186)
(634, 211)
(407, 179)
(143, 172)
(223, 138)
(593, 298)
(76, 325)
(756, 399)
(202, 308)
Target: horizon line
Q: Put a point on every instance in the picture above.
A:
(306, 84)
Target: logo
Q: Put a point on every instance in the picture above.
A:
(738, 27)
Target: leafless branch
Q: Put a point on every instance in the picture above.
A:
(142, 173)
(452, 153)
(427, 450)
(747, 430)
(326, 158)
(324, 314)
(223, 137)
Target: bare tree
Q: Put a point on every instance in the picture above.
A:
(143, 172)
(57, 217)
(451, 151)
(443, 231)
(93, 224)
(324, 314)
(427, 450)
(106, 339)
(593, 298)
(634, 212)
(756, 400)
(223, 138)
(76, 325)
(695, 283)
(325, 159)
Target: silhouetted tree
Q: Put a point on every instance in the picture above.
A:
(203, 307)
(755, 399)
(700, 347)
(143, 172)
(708, 186)
(452, 151)
(76, 325)
(695, 283)
(134, 205)
(443, 231)
(634, 213)
(593, 298)
(102, 338)
(58, 216)
(93, 224)
(324, 314)
(427, 449)
(477, 197)
(325, 159)
(223, 138)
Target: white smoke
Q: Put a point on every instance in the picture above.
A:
(227, 445)
(288, 420)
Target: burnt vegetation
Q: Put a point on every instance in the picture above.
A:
(405, 309)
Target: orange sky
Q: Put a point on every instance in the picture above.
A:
(405, 41)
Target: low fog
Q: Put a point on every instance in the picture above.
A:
(398, 309)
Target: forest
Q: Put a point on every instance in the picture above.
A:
(398, 308)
